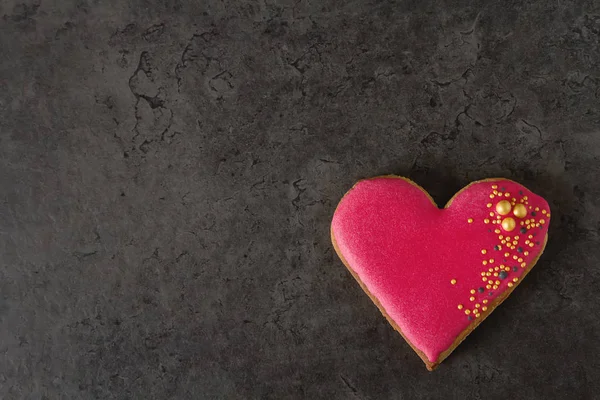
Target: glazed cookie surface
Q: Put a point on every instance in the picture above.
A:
(437, 273)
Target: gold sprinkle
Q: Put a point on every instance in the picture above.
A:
(503, 207)
(537, 209)
(530, 236)
(485, 301)
(531, 244)
(527, 242)
(484, 279)
(542, 221)
(491, 214)
(523, 265)
(486, 221)
(488, 274)
(467, 311)
(508, 224)
(470, 220)
(477, 315)
(506, 254)
(510, 284)
(507, 269)
(495, 192)
(495, 287)
(484, 262)
(494, 186)
(543, 211)
(489, 205)
(484, 308)
(491, 282)
(483, 251)
(537, 225)
(471, 298)
(517, 237)
(492, 196)
(488, 287)
(491, 269)
(513, 199)
(526, 253)
(477, 305)
(515, 279)
(497, 231)
(548, 215)
(491, 260)
(497, 282)
(503, 242)
(495, 274)
(453, 281)
(522, 223)
(460, 306)
(496, 268)
(525, 197)
(520, 259)
(515, 257)
(483, 273)
(500, 237)
(506, 194)
(472, 291)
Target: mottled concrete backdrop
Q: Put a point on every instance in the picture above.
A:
(169, 169)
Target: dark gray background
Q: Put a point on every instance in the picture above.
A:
(169, 170)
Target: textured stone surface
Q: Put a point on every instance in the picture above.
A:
(169, 171)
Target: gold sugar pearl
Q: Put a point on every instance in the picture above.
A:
(506, 254)
(510, 284)
(548, 215)
(495, 192)
(520, 211)
(483, 273)
(507, 269)
(470, 220)
(488, 287)
(520, 259)
(486, 221)
(484, 279)
(494, 186)
(517, 237)
(491, 214)
(484, 308)
(503, 207)
(477, 305)
(484, 262)
(497, 282)
(495, 274)
(491, 282)
(491, 260)
(483, 251)
(506, 194)
(471, 298)
(542, 221)
(495, 287)
(503, 242)
(513, 199)
(537, 209)
(515, 257)
(508, 224)
(530, 236)
(490, 269)
(453, 281)
(489, 273)
(472, 291)
(498, 217)
(485, 301)
(523, 265)
(489, 205)
(515, 279)
(477, 315)
(525, 198)
(543, 211)
(526, 253)
(492, 196)
(527, 242)
(500, 237)
(467, 311)
(460, 306)
(531, 244)
(497, 231)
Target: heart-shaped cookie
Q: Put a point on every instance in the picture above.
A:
(434, 273)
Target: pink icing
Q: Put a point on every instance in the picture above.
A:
(407, 251)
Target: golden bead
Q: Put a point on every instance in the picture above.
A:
(491, 214)
(477, 315)
(477, 305)
(515, 279)
(470, 220)
(506, 254)
(491, 260)
(530, 236)
(508, 224)
(542, 221)
(467, 311)
(495, 287)
(491, 282)
(472, 291)
(494, 186)
(483, 273)
(523, 265)
(497, 231)
(484, 308)
(484, 279)
(484, 262)
(506, 194)
(503, 207)
(543, 211)
(485, 301)
(510, 284)
(460, 306)
(537, 209)
(489, 205)
(495, 274)
(515, 257)
(492, 196)
(453, 281)
(531, 244)
(497, 282)
(483, 251)
(520, 259)
(520, 211)
(488, 287)
(471, 298)
(486, 221)
(526, 253)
